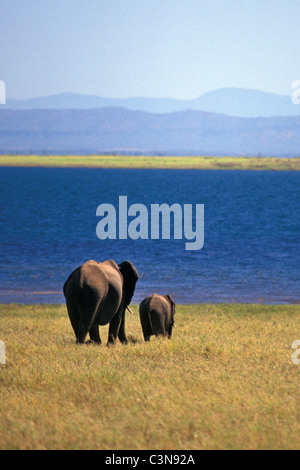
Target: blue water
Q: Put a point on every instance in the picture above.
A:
(250, 254)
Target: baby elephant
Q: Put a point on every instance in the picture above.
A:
(157, 315)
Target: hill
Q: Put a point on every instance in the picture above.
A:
(118, 130)
(231, 101)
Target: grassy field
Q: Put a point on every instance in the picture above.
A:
(224, 381)
(126, 161)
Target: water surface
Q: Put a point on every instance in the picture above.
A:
(250, 254)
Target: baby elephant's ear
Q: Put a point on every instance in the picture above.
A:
(171, 300)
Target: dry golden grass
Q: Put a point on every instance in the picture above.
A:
(224, 381)
(162, 162)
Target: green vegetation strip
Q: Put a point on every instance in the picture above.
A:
(225, 380)
(128, 161)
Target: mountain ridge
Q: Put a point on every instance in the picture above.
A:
(119, 130)
(237, 102)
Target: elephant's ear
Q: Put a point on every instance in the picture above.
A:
(171, 300)
(130, 276)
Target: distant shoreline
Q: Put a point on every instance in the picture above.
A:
(151, 162)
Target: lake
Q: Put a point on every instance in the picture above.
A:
(251, 228)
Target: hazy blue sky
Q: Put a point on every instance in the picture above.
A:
(156, 48)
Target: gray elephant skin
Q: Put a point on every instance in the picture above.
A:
(98, 294)
(157, 315)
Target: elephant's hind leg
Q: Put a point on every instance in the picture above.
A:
(85, 323)
(146, 325)
(157, 323)
(82, 332)
(94, 334)
(74, 317)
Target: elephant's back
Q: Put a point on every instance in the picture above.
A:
(91, 275)
(158, 302)
(101, 283)
(153, 303)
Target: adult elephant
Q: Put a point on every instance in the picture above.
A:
(98, 294)
(157, 315)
